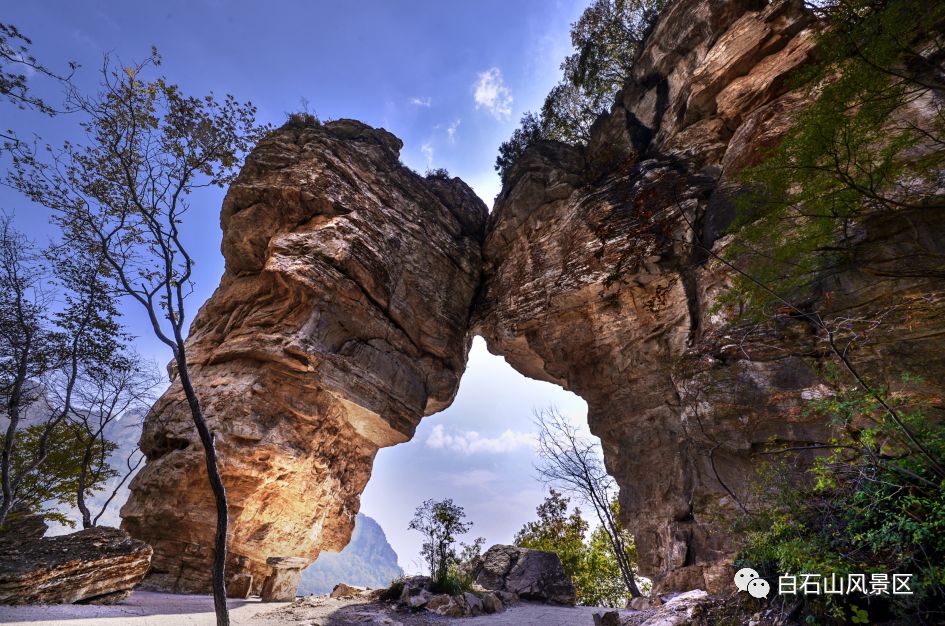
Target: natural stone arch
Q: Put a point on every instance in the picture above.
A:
(353, 285)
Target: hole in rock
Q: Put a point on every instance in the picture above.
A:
(480, 452)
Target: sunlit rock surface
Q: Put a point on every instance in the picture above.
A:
(344, 313)
(596, 277)
(339, 322)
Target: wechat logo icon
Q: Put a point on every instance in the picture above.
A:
(747, 579)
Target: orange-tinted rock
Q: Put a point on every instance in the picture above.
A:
(340, 321)
(597, 279)
(97, 565)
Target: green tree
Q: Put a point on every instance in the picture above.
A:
(557, 531)
(606, 39)
(576, 464)
(440, 523)
(589, 560)
(529, 131)
(122, 193)
(601, 579)
(55, 329)
(53, 484)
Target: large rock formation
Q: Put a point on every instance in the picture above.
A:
(344, 313)
(597, 278)
(98, 565)
(340, 321)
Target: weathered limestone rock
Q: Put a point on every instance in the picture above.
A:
(240, 586)
(20, 525)
(344, 313)
(340, 321)
(283, 583)
(344, 590)
(416, 592)
(607, 618)
(491, 603)
(530, 574)
(596, 278)
(96, 565)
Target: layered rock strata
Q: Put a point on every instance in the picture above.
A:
(598, 277)
(340, 321)
(97, 565)
(353, 286)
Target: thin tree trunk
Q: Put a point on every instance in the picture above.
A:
(80, 489)
(216, 485)
(13, 413)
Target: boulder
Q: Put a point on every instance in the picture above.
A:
(680, 610)
(416, 592)
(96, 565)
(473, 604)
(447, 605)
(506, 597)
(640, 603)
(608, 618)
(240, 586)
(491, 603)
(530, 574)
(343, 590)
(283, 583)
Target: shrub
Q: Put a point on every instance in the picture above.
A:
(868, 505)
(302, 119)
(440, 173)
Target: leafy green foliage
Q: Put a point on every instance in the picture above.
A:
(54, 483)
(529, 131)
(847, 155)
(868, 504)
(557, 531)
(589, 561)
(440, 523)
(440, 173)
(606, 39)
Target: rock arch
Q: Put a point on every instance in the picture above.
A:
(353, 285)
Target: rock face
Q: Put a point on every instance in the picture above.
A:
(530, 574)
(340, 321)
(596, 278)
(97, 565)
(353, 286)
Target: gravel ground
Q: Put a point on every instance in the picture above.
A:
(146, 608)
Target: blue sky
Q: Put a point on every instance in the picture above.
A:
(449, 78)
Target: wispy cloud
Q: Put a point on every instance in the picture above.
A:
(422, 102)
(473, 478)
(491, 93)
(427, 151)
(451, 130)
(471, 442)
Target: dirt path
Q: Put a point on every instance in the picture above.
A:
(145, 608)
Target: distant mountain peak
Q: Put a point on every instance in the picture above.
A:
(367, 561)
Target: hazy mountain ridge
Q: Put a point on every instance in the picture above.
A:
(367, 561)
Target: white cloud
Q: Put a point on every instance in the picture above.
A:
(492, 94)
(473, 478)
(471, 442)
(422, 102)
(427, 151)
(451, 130)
